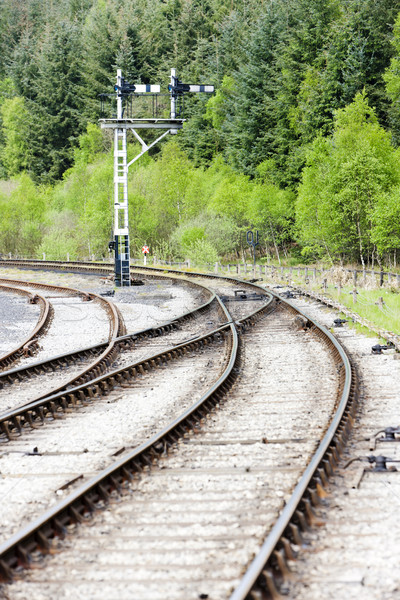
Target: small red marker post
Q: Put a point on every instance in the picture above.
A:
(145, 250)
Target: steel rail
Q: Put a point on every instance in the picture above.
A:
(93, 371)
(38, 537)
(14, 421)
(269, 566)
(124, 340)
(117, 326)
(30, 344)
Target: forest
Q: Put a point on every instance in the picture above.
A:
(301, 139)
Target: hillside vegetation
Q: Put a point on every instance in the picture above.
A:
(299, 141)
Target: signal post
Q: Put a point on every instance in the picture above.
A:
(121, 125)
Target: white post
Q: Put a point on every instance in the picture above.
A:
(173, 99)
(145, 258)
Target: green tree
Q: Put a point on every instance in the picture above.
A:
(55, 115)
(342, 183)
(15, 120)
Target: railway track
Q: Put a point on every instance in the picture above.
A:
(103, 354)
(354, 554)
(30, 344)
(42, 375)
(273, 565)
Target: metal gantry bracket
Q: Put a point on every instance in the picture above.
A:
(120, 242)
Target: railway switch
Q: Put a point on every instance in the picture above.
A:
(339, 322)
(390, 435)
(377, 349)
(381, 463)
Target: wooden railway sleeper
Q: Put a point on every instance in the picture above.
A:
(290, 552)
(311, 515)
(302, 521)
(6, 572)
(281, 563)
(76, 516)
(103, 492)
(315, 500)
(296, 534)
(322, 475)
(16, 421)
(72, 400)
(42, 542)
(23, 556)
(83, 398)
(5, 429)
(127, 475)
(269, 585)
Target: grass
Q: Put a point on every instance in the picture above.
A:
(384, 315)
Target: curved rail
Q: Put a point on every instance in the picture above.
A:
(12, 422)
(93, 371)
(77, 507)
(30, 344)
(269, 569)
(117, 327)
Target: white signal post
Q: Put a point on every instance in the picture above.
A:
(145, 251)
(121, 125)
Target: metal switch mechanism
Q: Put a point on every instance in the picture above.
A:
(390, 435)
(377, 349)
(379, 461)
(339, 322)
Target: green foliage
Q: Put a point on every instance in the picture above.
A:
(288, 77)
(22, 209)
(15, 154)
(202, 252)
(344, 185)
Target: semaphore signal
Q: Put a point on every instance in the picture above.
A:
(120, 125)
(177, 89)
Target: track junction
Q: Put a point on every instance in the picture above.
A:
(215, 496)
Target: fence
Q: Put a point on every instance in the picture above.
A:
(357, 277)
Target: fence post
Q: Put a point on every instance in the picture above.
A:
(355, 278)
(354, 296)
(67, 256)
(305, 273)
(260, 271)
(389, 278)
(315, 273)
(364, 277)
(325, 284)
(216, 267)
(44, 255)
(245, 268)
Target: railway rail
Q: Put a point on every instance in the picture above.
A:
(125, 346)
(103, 358)
(30, 345)
(354, 554)
(269, 570)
